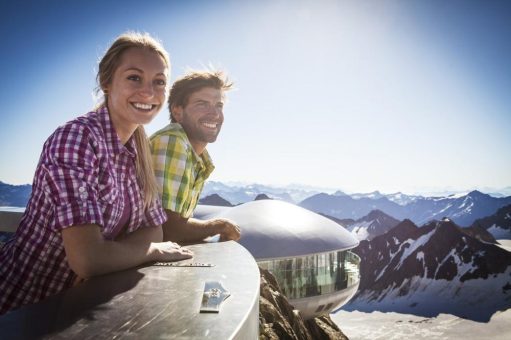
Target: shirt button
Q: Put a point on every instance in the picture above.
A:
(81, 189)
(83, 195)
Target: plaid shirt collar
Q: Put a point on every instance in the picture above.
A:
(203, 161)
(113, 142)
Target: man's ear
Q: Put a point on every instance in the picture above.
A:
(177, 113)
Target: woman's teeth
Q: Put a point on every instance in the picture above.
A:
(142, 106)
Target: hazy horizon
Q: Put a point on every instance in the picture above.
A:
(506, 191)
(348, 95)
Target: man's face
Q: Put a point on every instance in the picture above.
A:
(202, 117)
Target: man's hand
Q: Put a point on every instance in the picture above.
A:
(227, 229)
(189, 230)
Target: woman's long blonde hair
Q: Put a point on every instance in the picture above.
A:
(107, 67)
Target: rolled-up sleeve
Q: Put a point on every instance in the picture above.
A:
(154, 215)
(71, 177)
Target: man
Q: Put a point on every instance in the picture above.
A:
(180, 159)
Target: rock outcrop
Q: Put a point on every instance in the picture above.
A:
(216, 200)
(279, 320)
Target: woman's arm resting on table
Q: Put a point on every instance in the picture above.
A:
(89, 254)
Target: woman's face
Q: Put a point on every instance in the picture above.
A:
(137, 91)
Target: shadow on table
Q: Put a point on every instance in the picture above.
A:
(79, 304)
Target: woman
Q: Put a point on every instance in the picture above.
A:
(94, 207)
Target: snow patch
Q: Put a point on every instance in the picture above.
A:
(420, 241)
(420, 256)
(431, 296)
(499, 233)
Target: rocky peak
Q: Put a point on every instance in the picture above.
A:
(262, 197)
(215, 199)
(279, 320)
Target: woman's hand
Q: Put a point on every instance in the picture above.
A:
(169, 251)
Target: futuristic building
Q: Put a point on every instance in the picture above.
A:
(308, 254)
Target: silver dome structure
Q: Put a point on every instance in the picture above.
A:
(308, 254)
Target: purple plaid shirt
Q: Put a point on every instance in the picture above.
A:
(82, 177)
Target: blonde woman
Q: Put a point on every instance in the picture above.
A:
(94, 207)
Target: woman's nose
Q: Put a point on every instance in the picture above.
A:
(147, 89)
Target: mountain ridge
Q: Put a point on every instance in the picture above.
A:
(463, 209)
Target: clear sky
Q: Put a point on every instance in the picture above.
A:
(409, 96)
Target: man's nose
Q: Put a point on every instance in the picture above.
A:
(215, 110)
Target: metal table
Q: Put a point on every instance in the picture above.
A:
(150, 302)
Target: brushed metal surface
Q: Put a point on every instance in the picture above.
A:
(151, 302)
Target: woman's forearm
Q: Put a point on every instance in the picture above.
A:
(89, 254)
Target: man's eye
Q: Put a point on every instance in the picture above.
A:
(134, 77)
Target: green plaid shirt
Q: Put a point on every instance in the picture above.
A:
(180, 172)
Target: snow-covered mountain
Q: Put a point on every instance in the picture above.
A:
(402, 199)
(499, 224)
(347, 207)
(397, 197)
(438, 268)
(462, 209)
(242, 194)
(372, 195)
(372, 225)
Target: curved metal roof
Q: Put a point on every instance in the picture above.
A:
(277, 229)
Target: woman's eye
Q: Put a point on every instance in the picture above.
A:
(134, 77)
(161, 82)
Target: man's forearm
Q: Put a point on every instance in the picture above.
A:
(180, 229)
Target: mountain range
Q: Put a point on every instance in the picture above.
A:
(437, 268)
(462, 209)
(237, 194)
(14, 195)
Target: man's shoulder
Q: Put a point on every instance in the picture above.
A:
(173, 129)
(171, 138)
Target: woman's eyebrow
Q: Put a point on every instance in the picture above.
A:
(133, 68)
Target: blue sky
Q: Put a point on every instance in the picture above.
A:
(408, 96)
